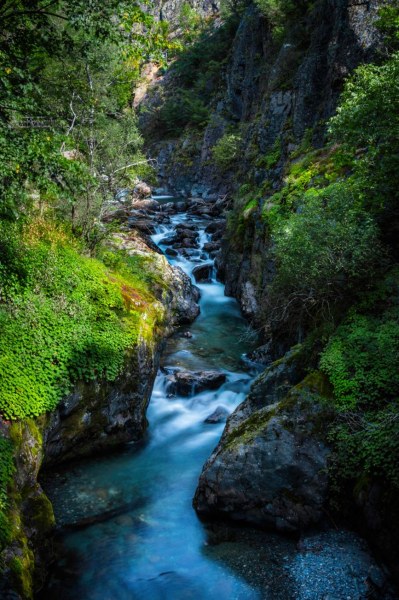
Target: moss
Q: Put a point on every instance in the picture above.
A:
(22, 568)
(247, 431)
(316, 382)
(42, 513)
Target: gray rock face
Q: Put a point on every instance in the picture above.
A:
(100, 415)
(276, 479)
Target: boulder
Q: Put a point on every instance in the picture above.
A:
(170, 252)
(144, 225)
(270, 466)
(203, 273)
(216, 226)
(219, 415)
(189, 383)
(142, 190)
(211, 246)
(146, 205)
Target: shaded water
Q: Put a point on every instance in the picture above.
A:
(128, 530)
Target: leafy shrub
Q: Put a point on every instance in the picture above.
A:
(360, 123)
(182, 109)
(227, 150)
(362, 361)
(324, 252)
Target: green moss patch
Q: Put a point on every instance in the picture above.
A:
(70, 317)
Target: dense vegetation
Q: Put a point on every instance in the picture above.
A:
(71, 306)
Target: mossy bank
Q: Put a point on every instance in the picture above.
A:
(81, 338)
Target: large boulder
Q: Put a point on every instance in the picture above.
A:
(188, 383)
(270, 467)
(203, 273)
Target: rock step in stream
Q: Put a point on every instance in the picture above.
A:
(127, 529)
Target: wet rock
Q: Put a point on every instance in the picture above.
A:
(219, 415)
(188, 383)
(203, 273)
(171, 252)
(211, 246)
(187, 334)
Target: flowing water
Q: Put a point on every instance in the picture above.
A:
(127, 527)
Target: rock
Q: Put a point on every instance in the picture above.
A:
(261, 355)
(146, 205)
(219, 415)
(270, 467)
(114, 213)
(211, 246)
(203, 273)
(142, 190)
(171, 252)
(188, 383)
(187, 334)
(215, 226)
(144, 225)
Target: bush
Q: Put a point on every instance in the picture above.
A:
(324, 252)
(182, 109)
(227, 150)
(361, 123)
(362, 362)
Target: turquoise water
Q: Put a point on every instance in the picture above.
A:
(127, 529)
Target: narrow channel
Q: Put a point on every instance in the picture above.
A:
(127, 527)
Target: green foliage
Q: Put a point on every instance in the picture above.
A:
(83, 61)
(324, 251)
(6, 472)
(388, 24)
(70, 318)
(227, 150)
(362, 363)
(360, 123)
(197, 72)
(272, 158)
(182, 109)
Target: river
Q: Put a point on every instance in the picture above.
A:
(127, 529)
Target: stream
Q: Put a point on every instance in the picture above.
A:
(127, 529)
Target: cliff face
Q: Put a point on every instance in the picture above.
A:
(274, 96)
(93, 418)
(170, 10)
(273, 90)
